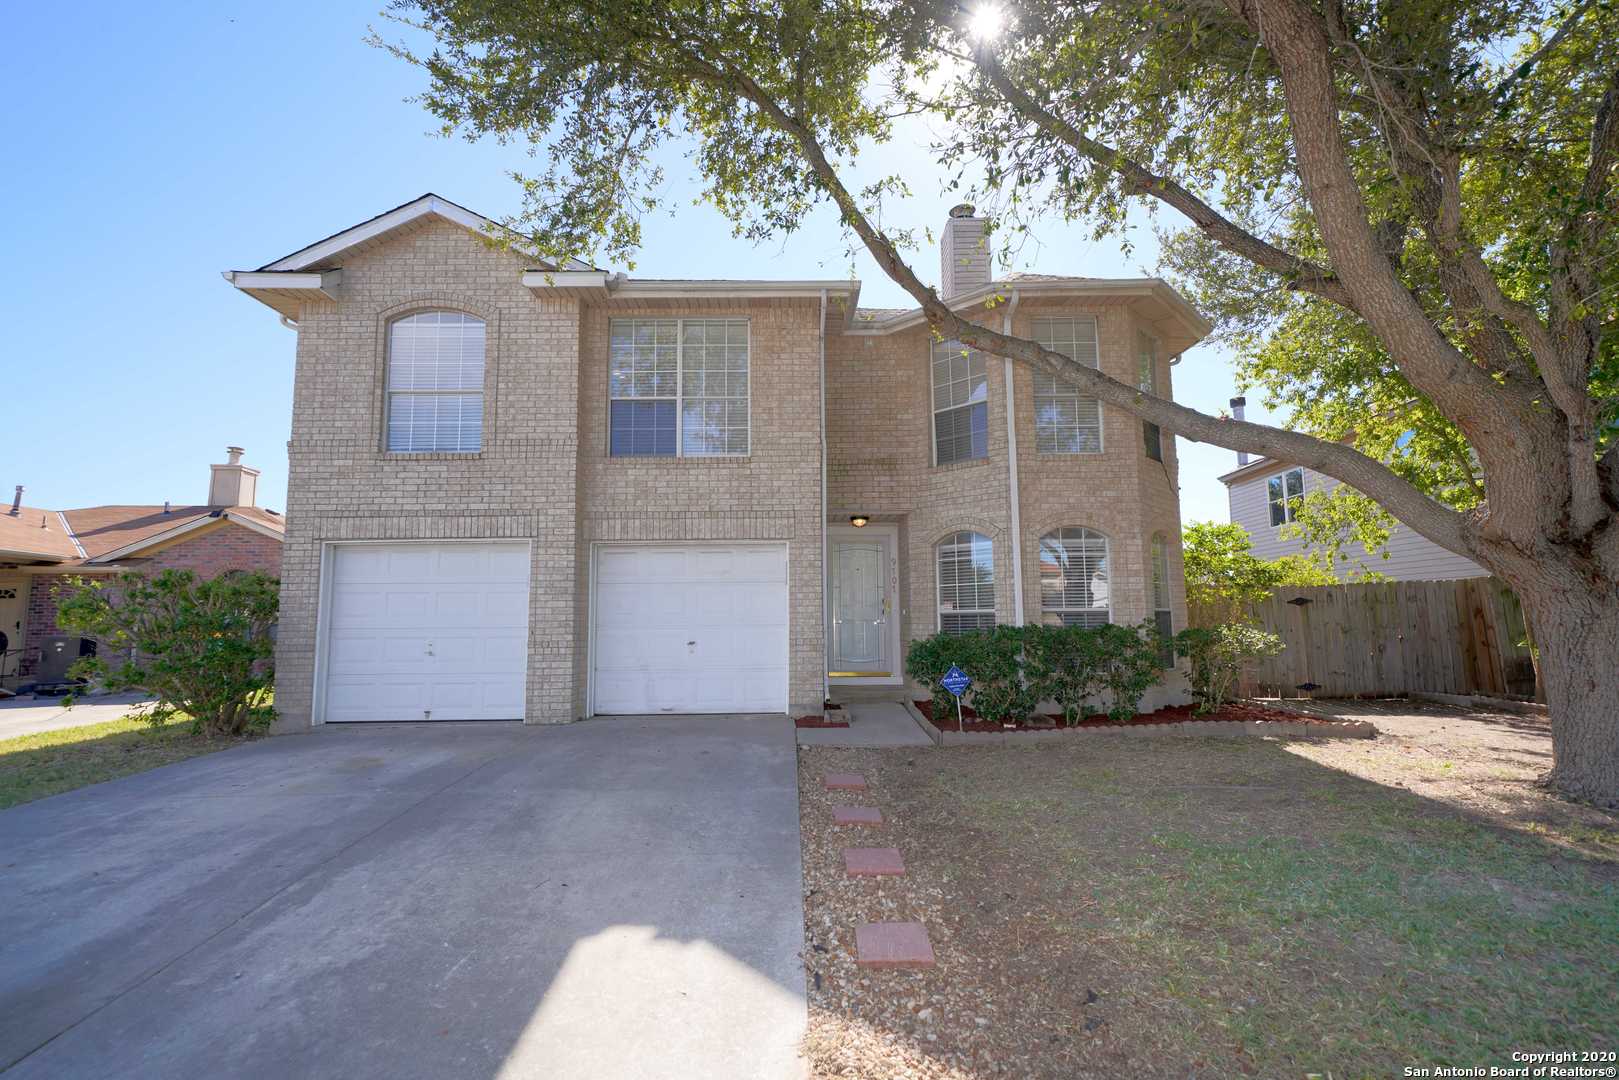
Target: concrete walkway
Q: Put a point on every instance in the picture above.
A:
(30, 715)
(879, 723)
(615, 898)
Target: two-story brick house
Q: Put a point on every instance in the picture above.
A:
(550, 493)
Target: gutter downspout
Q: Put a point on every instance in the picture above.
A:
(826, 579)
(1011, 472)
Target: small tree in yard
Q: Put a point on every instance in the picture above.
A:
(1215, 657)
(1423, 190)
(203, 649)
(1223, 575)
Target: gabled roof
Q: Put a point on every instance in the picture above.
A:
(115, 532)
(95, 535)
(316, 270)
(35, 535)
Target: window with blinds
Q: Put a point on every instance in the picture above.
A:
(1065, 420)
(1074, 573)
(678, 388)
(1162, 616)
(435, 383)
(960, 404)
(966, 567)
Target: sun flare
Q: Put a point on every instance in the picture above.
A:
(986, 22)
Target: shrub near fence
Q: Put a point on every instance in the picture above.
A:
(1382, 639)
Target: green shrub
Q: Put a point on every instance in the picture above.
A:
(1215, 657)
(1065, 665)
(1001, 690)
(203, 649)
(1129, 662)
(928, 659)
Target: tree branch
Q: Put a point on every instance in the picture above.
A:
(1299, 273)
(1437, 522)
(1521, 72)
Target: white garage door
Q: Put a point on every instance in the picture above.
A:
(693, 628)
(427, 632)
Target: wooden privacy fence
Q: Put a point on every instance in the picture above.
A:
(1388, 638)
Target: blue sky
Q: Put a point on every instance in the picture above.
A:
(161, 144)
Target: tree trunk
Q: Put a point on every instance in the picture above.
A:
(1578, 635)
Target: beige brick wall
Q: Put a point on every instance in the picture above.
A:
(544, 474)
(343, 486)
(880, 462)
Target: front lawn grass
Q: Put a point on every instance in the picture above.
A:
(1207, 908)
(51, 762)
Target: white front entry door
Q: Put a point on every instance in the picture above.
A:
(863, 586)
(690, 628)
(429, 631)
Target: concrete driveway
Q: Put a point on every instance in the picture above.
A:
(616, 898)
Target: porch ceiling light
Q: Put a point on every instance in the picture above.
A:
(859, 521)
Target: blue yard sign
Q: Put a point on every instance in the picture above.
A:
(955, 680)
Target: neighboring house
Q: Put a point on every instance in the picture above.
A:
(1266, 494)
(556, 493)
(40, 549)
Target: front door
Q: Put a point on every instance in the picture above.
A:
(13, 611)
(862, 646)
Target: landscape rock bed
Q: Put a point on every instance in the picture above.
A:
(1233, 719)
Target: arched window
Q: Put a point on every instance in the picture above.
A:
(435, 383)
(1162, 617)
(966, 562)
(1074, 578)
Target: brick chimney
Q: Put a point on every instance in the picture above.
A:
(1239, 409)
(232, 484)
(963, 253)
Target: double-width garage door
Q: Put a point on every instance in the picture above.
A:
(690, 628)
(429, 631)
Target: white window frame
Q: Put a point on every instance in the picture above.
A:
(390, 393)
(1288, 513)
(933, 402)
(1147, 381)
(1158, 564)
(1066, 390)
(1107, 563)
(953, 540)
(680, 385)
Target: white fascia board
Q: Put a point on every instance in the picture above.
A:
(1155, 287)
(677, 290)
(1250, 470)
(393, 219)
(566, 279)
(256, 526)
(325, 282)
(18, 553)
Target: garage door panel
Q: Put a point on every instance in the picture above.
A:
(690, 628)
(427, 631)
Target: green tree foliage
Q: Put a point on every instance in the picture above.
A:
(1215, 657)
(1223, 575)
(1410, 203)
(203, 648)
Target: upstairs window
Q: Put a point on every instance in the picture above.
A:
(1152, 440)
(960, 404)
(966, 562)
(1065, 420)
(1162, 616)
(1286, 495)
(1074, 572)
(435, 383)
(678, 388)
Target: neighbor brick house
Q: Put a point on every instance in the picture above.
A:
(556, 492)
(41, 549)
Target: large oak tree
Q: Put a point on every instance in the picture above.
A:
(1427, 183)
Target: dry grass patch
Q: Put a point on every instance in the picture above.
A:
(1207, 907)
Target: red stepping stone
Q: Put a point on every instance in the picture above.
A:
(893, 945)
(844, 781)
(873, 861)
(856, 815)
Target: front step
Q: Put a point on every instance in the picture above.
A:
(866, 695)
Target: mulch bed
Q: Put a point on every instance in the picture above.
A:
(1174, 714)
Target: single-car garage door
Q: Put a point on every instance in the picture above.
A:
(690, 628)
(429, 631)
